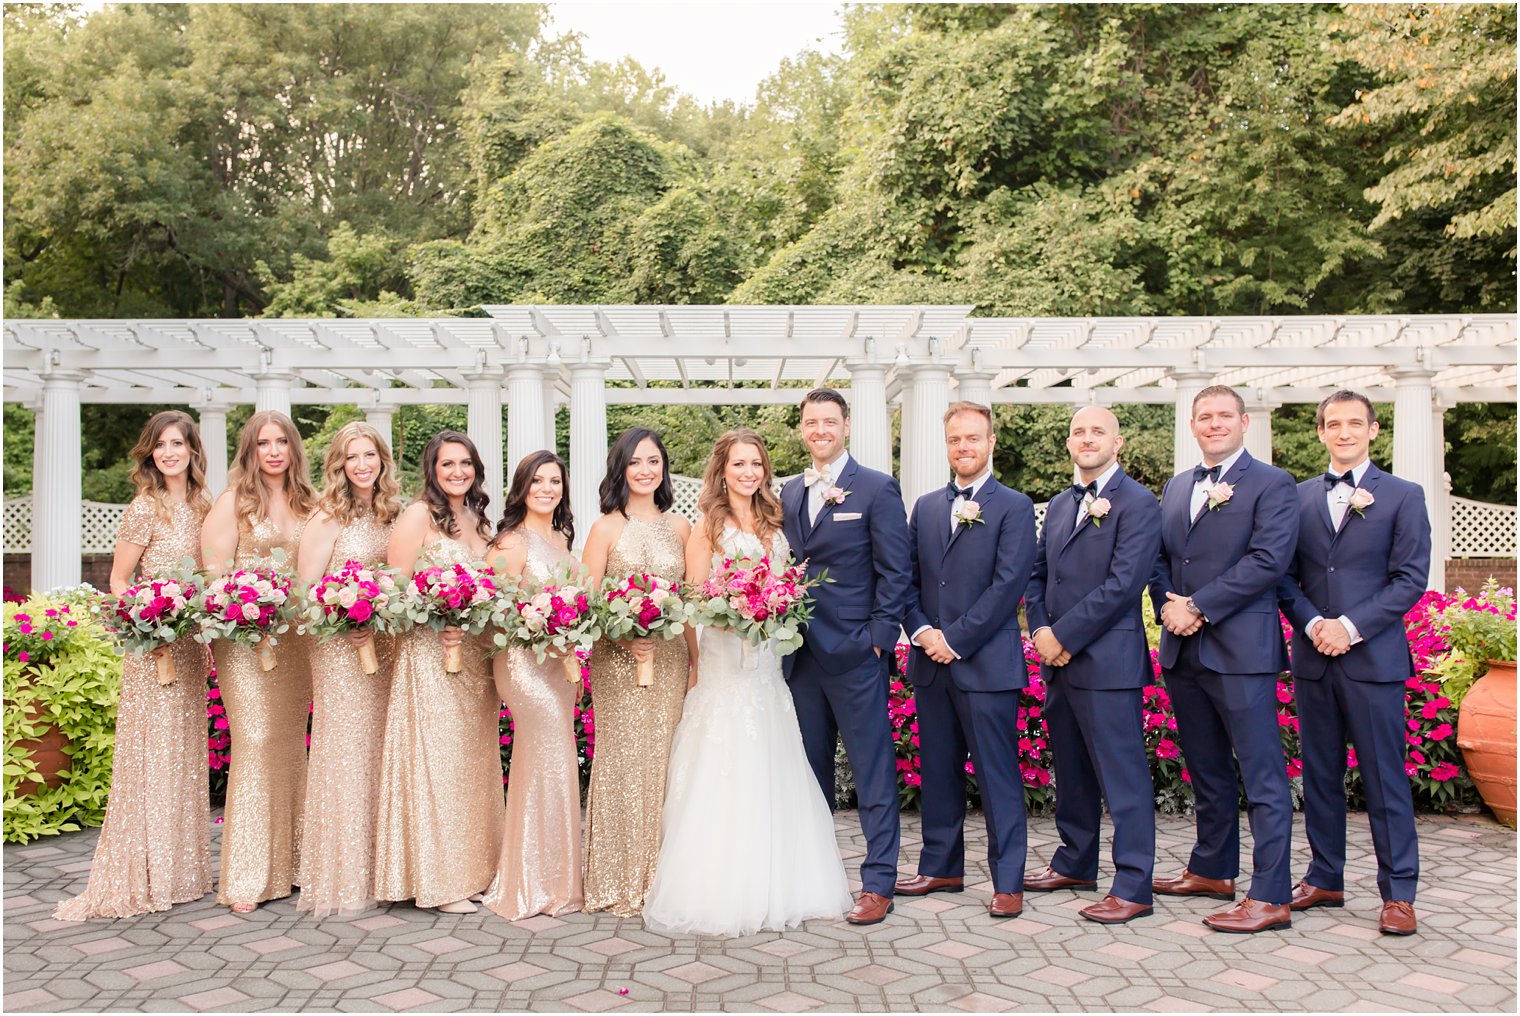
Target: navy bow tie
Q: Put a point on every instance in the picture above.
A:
(1199, 472)
(952, 491)
(1079, 491)
(1332, 480)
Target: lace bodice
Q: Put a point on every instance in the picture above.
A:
(739, 543)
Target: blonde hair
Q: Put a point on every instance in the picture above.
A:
(146, 476)
(713, 502)
(250, 498)
(338, 494)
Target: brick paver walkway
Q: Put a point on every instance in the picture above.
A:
(941, 952)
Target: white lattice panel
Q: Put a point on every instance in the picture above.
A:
(1479, 529)
(18, 524)
(689, 488)
(98, 523)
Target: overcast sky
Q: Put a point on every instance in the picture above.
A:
(713, 51)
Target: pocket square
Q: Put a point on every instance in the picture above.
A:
(845, 516)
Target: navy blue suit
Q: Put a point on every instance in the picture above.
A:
(1373, 570)
(1089, 588)
(837, 680)
(968, 585)
(1222, 679)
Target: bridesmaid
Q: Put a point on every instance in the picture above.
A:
(634, 726)
(263, 509)
(360, 503)
(155, 848)
(439, 828)
(540, 867)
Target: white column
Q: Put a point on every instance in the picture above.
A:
(870, 421)
(213, 427)
(1440, 518)
(484, 426)
(1415, 452)
(56, 485)
(588, 442)
(1259, 406)
(272, 391)
(382, 417)
(929, 395)
(525, 412)
(904, 441)
(1184, 446)
(551, 411)
(975, 386)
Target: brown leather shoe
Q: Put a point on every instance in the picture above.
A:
(1188, 884)
(1006, 905)
(1397, 918)
(923, 885)
(1307, 897)
(1250, 916)
(870, 908)
(1113, 910)
(1050, 880)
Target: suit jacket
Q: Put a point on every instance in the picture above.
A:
(1373, 571)
(1230, 562)
(1089, 586)
(969, 585)
(863, 544)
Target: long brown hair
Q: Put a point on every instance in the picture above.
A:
(146, 476)
(338, 494)
(713, 502)
(251, 499)
(516, 508)
(437, 501)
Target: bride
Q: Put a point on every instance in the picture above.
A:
(747, 841)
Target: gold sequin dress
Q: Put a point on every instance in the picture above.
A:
(634, 728)
(540, 866)
(155, 847)
(438, 834)
(266, 719)
(347, 731)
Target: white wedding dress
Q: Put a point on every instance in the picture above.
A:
(747, 842)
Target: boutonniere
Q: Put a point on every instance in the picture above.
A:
(968, 514)
(1098, 509)
(1219, 495)
(1360, 501)
(834, 495)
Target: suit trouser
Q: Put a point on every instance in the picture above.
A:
(1221, 718)
(1372, 714)
(1098, 738)
(951, 723)
(853, 705)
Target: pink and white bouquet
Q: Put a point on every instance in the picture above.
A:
(154, 613)
(757, 601)
(642, 606)
(358, 597)
(251, 606)
(550, 617)
(454, 596)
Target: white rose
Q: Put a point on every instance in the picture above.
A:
(250, 611)
(348, 597)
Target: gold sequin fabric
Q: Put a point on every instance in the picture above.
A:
(439, 827)
(347, 731)
(266, 718)
(634, 728)
(539, 871)
(155, 847)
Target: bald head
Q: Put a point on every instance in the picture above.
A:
(1094, 441)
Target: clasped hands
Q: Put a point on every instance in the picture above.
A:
(932, 641)
(1330, 637)
(1177, 618)
(1052, 653)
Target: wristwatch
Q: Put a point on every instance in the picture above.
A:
(1193, 607)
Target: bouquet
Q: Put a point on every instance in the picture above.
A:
(251, 606)
(757, 602)
(155, 613)
(553, 616)
(358, 597)
(642, 606)
(453, 596)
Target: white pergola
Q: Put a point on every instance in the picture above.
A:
(535, 358)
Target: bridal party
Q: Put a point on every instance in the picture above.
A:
(365, 641)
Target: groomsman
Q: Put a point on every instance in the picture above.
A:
(1362, 562)
(1228, 532)
(847, 519)
(973, 547)
(1096, 552)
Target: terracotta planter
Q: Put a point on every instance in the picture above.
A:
(47, 752)
(1486, 735)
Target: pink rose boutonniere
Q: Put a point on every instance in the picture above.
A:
(836, 495)
(968, 514)
(1098, 510)
(1360, 501)
(1219, 495)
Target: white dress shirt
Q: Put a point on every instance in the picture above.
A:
(1338, 499)
(1089, 498)
(1201, 488)
(820, 488)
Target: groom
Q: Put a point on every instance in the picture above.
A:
(847, 519)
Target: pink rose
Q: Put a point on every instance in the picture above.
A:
(1219, 495)
(1099, 509)
(360, 612)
